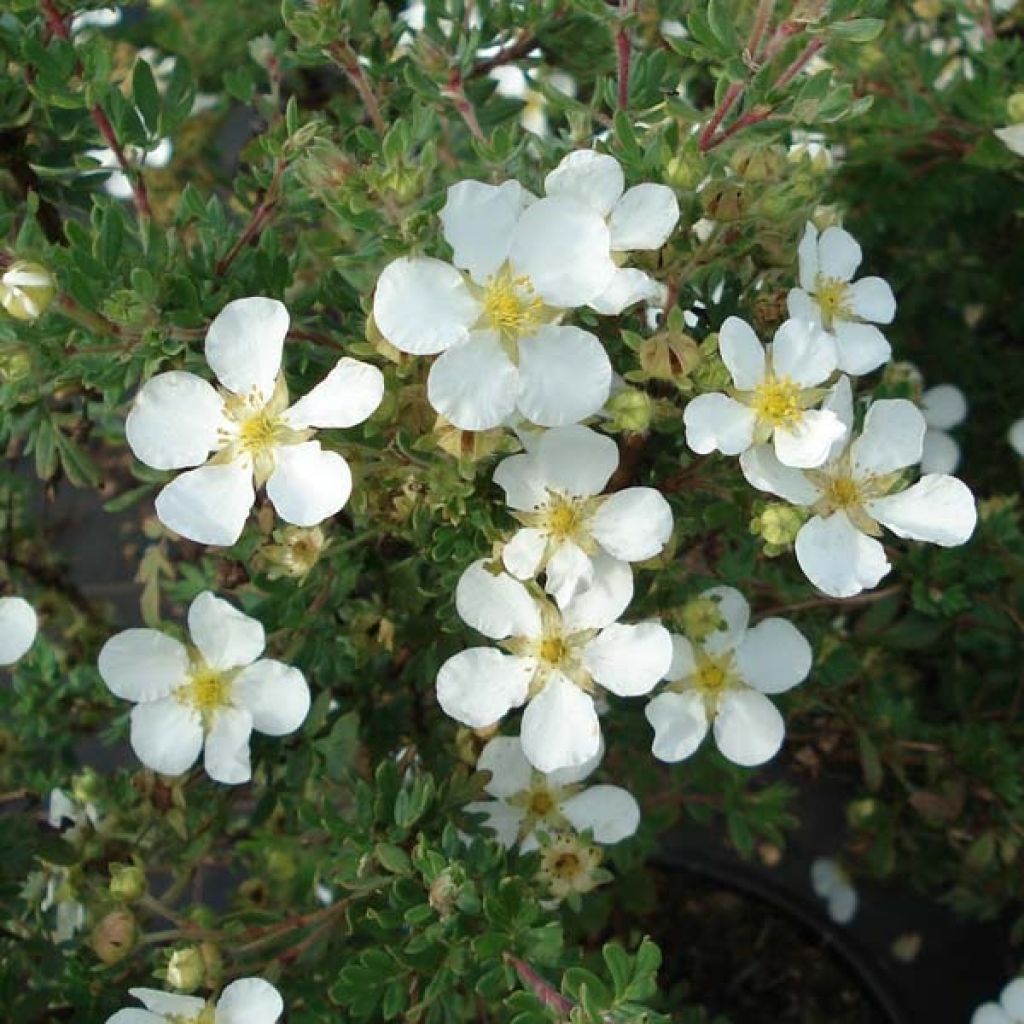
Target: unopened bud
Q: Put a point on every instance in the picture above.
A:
(779, 524)
(114, 937)
(186, 969)
(723, 200)
(758, 162)
(668, 355)
(700, 618)
(127, 882)
(1015, 107)
(26, 289)
(684, 171)
(631, 411)
(467, 445)
(444, 891)
(15, 363)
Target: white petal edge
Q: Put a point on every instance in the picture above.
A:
(774, 656)
(166, 735)
(495, 604)
(748, 728)
(208, 505)
(610, 812)
(19, 625)
(348, 395)
(680, 723)
(309, 484)
(275, 695)
(837, 558)
(480, 685)
(938, 509)
(560, 728)
(245, 342)
(629, 660)
(226, 637)
(142, 664)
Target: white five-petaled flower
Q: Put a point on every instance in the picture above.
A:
(721, 682)
(639, 218)
(555, 490)
(944, 407)
(831, 883)
(772, 395)
(860, 489)
(245, 1001)
(847, 309)
(555, 660)
(528, 802)
(179, 420)
(214, 693)
(1009, 1009)
(19, 625)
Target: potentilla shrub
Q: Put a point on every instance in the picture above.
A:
(523, 422)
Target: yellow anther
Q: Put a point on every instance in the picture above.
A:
(833, 298)
(777, 401)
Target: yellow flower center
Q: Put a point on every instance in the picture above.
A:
(206, 691)
(833, 298)
(553, 649)
(842, 492)
(713, 676)
(565, 865)
(777, 401)
(259, 432)
(542, 803)
(510, 306)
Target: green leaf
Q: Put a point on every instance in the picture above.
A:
(722, 20)
(146, 96)
(857, 30)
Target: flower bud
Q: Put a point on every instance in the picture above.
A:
(758, 162)
(186, 969)
(114, 937)
(444, 891)
(1015, 107)
(127, 882)
(281, 865)
(26, 289)
(779, 524)
(684, 171)
(297, 550)
(668, 355)
(15, 363)
(700, 618)
(467, 445)
(723, 200)
(631, 411)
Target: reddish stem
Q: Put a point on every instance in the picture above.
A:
(347, 60)
(460, 101)
(546, 993)
(800, 63)
(732, 94)
(622, 50)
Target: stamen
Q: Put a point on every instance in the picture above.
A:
(510, 306)
(833, 298)
(777, 401)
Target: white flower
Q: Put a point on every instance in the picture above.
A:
(1009, 1009)
(721, 683)
(63, 808)
(178, 420)
(862, 488)
(555, 490)
(528, 802)
(570, 866)
(845, 308)
(554, 660)
(117, 183)
(496, 326)
(944, 407)
(1012, 136)
(214, 693)
(26, 289)
(1015, 435)
(102, 17)
(245, 1001)
(639, 218)
(832, 884)
(19, 625)
(772, 395)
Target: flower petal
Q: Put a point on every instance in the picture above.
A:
(275, 695)
(495, 604)
(478, 221)
(839, 254)
(802, 306)
(501, 818)
(563, 248)
(166, 735)
(593, 179)
(807, 254)
(629, 660)
(742, 353)
(226, 637)
(735, 616)
(644, 217)
(480, 685)
(803, 352)
(348, 395)
(564, 376)
(763, 470)
(716, 422)
(569, 571)
(748, 728)
(168, 1004)
(990, 1013)
(626, 287)
(892, 438)
(245, 342)
(473, 384)
(840, 401)
(422, 306)
(684, 662)
(679, 721)
(226, 756)
(842, 904)
(837, 558)
(133, 1015)
(208, 505)
(860, 348)
(576, 460)
(610, 812)
(774, 656)
(871, 299)
(809, 441)
(308, 484)
(944, 407)
(511, 773)
(521, 478)
(938, 509)
(142, 664)
(249, 1001)
(634, 524)
(939, 452)
(1011, 999)
(174, 421)
(604, 600)
(522, 555)
(19, 625)
(560, 726)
